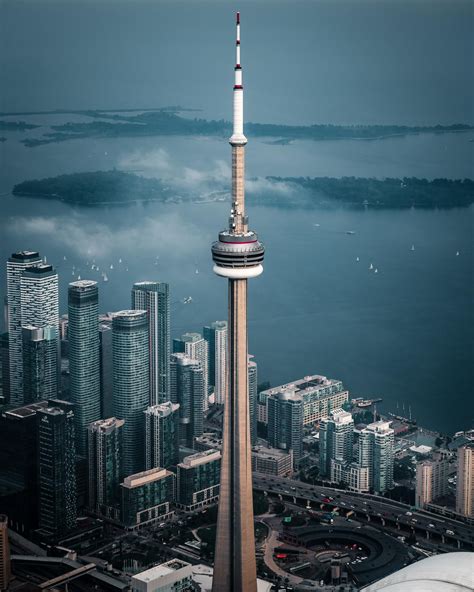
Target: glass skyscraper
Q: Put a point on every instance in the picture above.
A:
(16, 264)
(196, 347)
(376, 443)
(131, 383)
(336, 438)
(154, 297)
(40, 363)
(187, 389)
(285, 423)
(161, 435)
(216, 336)
(84, 357)
(253, 394)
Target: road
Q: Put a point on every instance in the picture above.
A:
(375, 509)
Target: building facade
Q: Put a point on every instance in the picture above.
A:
(56, 465)
(198, 480)
(465, 480)
(376, 443)
(162, 435)
(131, 383)
(272, 461)
(320, 396)
(253, 397)
(146, 497)
(431, 479)
(195, 347)
(16, 265)
(154, 297)
(40, 363)
(216, 336)
(336, 438)
(5, 566)
(285, 423)
(351, 474)
(187, 390)
(106, 369)
(84, 357)
(104, 452)
(173, 576)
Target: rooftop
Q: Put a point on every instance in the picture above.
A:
(145, 477)
(160, 571)
(306, 385)
(200, 458)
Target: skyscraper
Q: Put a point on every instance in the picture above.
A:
(155, 299)
(104, 452)
(195, 347)
(253, 396)
(465, 480)
(84, 357)
(198, 479)
(237, 256)
(285, 423)
(16, 264)
(376, 443)
(40, 310)
(5, 567)
(131, 383)
(56, 468)
(216, 336)
(336, 438)
(40, 363)
(106, 369)
(431, 479)
(161, 435)
(187, 390)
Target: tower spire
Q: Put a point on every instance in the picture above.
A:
(238, 138)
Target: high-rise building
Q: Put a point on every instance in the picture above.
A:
(40, 363)
(146, 497)
(56, 468)
(198, 480)
(84, 357)
(187, 390)
(320, 396)
(106, 369)
(431, 479)
(104, 453)
(16, 264)
(465, 480)
(253, 397)
(40, 309)
(351, 474)
(131, 383)
(18, 466)
(376, 443)
(195, 347)
(5, 567)
(154, 297)
(216, 336)
(5, 369)
(285, 423)
(161, 435)
(238, 256)
(336, 438)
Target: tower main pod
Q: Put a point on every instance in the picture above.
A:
(237, 255)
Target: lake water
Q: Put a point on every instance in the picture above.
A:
(404, 334)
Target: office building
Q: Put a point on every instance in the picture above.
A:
(285, 423)
(196, 348)
(431, 479)
(216, 336)
(320, 396)
(187, 390)
(5, 369)
(131, 383)
(146, 497)
(5, 567)
(18, 466)
(172, 576)
(16, 264)
(84, 357)
(351, 474)
(56, 468)
(161, 435)
(40, 363)
(198, 480)
(336, 438)
(376, 443)
(253, 397)
(154, 297)
(106, 369)
(272, 461)
(465, 480)
(104, 452)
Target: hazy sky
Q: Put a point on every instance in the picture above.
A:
(348, 61)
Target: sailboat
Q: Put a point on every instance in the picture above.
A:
(65, 259)
(197, 270)
(105, 278)
(457, 253)
(357, 259)
(371, 266)
(413, 247)
(120, 260)
(111, 266)
(376, 270)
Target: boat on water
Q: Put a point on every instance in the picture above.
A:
(111, 266)
(357, 259)
(197, 270)
(371, 266)
(93, 267)
(457, 253)
(376, 270)
(65, 258)
(350, 232)
(73, 272)
(187, 300)
(78, 277)
(120, 260)
(413, 247)
(105, 278)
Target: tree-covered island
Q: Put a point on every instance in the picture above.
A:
(118, 187)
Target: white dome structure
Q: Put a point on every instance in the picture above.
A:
(450, 572)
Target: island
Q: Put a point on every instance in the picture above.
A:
(166, 122)
(119, 187)
(16, 126)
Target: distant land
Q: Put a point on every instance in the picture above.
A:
(168, 121)
(12, 126)
(118, 187)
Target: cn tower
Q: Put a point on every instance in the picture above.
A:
(237, 256)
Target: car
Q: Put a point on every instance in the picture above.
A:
(408, 513)
(450, 532)
(431, 525)
(414, 520)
